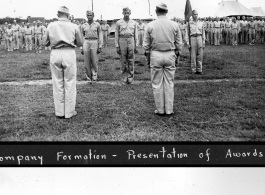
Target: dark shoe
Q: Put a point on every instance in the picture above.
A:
(198, 72)
(60, 117)
(170, 114)
(159, 114)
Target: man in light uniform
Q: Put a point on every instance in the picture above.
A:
(252, 32)
(16, 29)
(196, 43)
(38, 32)
(10, 37)
(92, 46)
(33, 37)
(239, 38)
(140, 28)
(261, 26)
(217, 31)
(183, 28)
(105, 32)
(63, 36)
(243, 26)
(4, 35)
(22, 35)
(234, 31)
(161, 48)
(126, 38)
(211, 31)
(29, 32)
(227, 29)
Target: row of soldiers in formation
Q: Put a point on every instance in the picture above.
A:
(28, 35)
(230, 30)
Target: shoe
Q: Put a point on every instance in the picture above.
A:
(198, 72)
(171, 114)
(60, 117)
(75, 113)
(159, 114)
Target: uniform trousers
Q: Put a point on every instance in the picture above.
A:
(234, 36)
(183, 34)
(244, 35)
(261, 34)
(239, 37)
(6, 41)
(252, 35)
(196, 53)
(212, 36)
(90, 48)
(16, 40)
(38, 42)
(162, 77)
(105, 37)
(227, 38)
(127, 46)
(63, 68)
(217, 33)
(206, 34)
(28, 39)
(140, 37)
(9, 43)
(23, 41)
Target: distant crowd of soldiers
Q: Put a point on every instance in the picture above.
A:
(28, 35)
(232, 31)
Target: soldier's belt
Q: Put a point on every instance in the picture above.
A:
(91, 38)
(104, 30)
(196, 35)
(140, 29)
(28, 34)
(126, 36)
(64, 47)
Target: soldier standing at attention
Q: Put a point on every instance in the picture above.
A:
(261, 26)
(217, 32)
(16, 30)
(22, 35)
(252, 32)
(105, 33)
(183, 28)
(234, 30)
(243, 26)
(4, 35)
(38, 32)
(28, 37)
(126, 38)
(92, 46)
(239, 30)
(196, 43)
(63, 36)
(33, 37)
(227, 27)
(211, 31)
(10, 37)
(161, 48)
(140, 28)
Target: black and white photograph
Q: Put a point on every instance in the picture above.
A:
(134, 70)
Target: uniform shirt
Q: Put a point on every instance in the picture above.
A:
(105, 27)
(38, 30)
(62, 33)
(124, 28)
(9, 32)
(228, 25)
(243, 24)
(44, 30)
(162, 35)
(234, 26)
(195, 28)
(222, 24)
(140, 26)
(239, 24)
(211, 25)
(251, 25)
(16, 28)
(29, 31)
(22, 30)
(182, 27)
(92, 31)
(261, 24)
(217, 24)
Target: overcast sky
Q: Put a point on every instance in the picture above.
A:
(108, 9)
(131, 181)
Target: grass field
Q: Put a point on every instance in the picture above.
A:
(226, 111)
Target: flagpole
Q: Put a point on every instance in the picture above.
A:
(92, 5)
(149, 7)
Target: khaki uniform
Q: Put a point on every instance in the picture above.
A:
(126, 38)
(183, 29)
(252, 32)
(243, 26)
(234, 31)
(16, 29)
(162, 45)
(261, 26)
(217, 32)
(38, 32)
(227, 30)
(5, 37)
(10, 38)
(222, 31)
(29, 32)
(61, 36)
(105, 34)
(93, 40)
(196, 37)
(211, 32)
(22, 36)
(140, 34)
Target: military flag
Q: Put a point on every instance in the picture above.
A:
(188, 10)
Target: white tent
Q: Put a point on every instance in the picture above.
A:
(232, 8)
(258, 11)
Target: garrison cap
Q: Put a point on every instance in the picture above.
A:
(63, 9)
(162, 6)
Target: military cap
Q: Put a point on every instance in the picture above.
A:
(194, 11)
(63, 9)
(162, 6)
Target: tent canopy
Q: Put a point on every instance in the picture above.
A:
(258, 11)
(232, 8)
